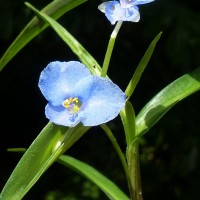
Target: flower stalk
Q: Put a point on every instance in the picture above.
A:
(110, 48)
(134, 172)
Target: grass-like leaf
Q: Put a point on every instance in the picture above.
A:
(55, 9)
(105, 184)
(165, 99)
(141, 67)
(75, 46)
(128, 119)
(45, 149)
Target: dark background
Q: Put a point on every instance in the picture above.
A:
(170, 152)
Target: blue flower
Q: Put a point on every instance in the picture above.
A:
(114, 12)
(122, 10)
(74, 95)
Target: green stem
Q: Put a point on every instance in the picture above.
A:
(110, 49)
(118, 149)
(134, 172)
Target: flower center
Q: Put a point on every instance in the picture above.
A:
(72, 104)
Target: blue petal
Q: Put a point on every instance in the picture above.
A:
(130, 3)
(139, 2)
(102, 6)
(114, 12)
(61, 116)
(132, 14)
(58, 79)
(102, 102)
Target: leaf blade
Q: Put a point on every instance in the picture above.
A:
(165, 99)
(52, 141)
(128, 119)
(55, 9)
(105, 184)
(75, 46)
(141, 67)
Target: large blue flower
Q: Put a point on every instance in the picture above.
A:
(74, 95)
(122, 10)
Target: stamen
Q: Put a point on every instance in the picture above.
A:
(72, 104)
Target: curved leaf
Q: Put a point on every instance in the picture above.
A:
(45, 149)
(106, 185)
(128, 119)
(141, 67)
(165, 99)
(55, 9)
(75, 46)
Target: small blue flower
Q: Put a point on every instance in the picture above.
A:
(122, 10)
(74, 95)
(114, 12)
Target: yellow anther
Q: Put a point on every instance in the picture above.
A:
(72, 104)
(75, 100)
(76, 108)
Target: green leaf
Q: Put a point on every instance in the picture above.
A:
(105, 184)
(141, 67)
(75, 46)
(128, 119)
(55, 9)
(45, 149)
(165, 99)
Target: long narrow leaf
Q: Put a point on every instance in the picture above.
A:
(45, 149)
(75, 46)
(165, 99)
(128, 119)
(105, 184)
(141, 67)
(55, 9)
